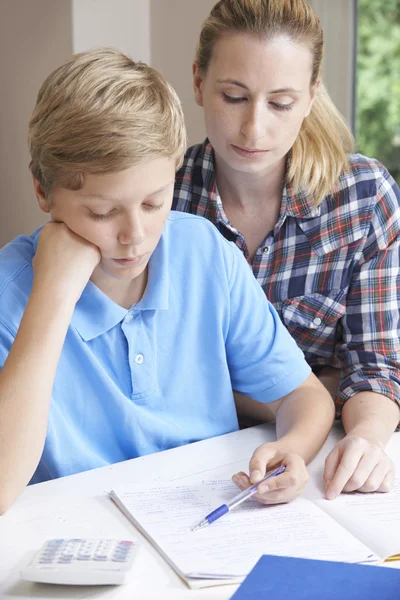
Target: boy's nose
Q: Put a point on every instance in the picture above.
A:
(132, 233)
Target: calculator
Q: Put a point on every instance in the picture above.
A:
(82, 562)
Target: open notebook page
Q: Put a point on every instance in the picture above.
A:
(373, 518)
(232, 545)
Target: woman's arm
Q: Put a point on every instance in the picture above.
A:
(359, 461)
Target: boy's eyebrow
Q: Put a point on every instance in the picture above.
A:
(112, 199)
(242, 85)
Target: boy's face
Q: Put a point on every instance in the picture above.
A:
(122, 213)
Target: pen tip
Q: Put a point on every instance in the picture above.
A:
(200, 525)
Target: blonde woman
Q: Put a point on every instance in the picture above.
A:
(318, 225)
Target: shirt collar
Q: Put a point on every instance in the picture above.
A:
(215, 207)
(299, 205)
(95, 313)
(214, 203)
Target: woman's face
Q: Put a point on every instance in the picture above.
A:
(255, 95)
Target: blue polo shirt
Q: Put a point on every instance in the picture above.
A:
(159, 375)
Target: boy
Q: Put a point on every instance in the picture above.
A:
(124, 328)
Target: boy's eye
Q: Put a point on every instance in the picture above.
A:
(150, 207)
(233, 99)
(279, 106)
(100, 217)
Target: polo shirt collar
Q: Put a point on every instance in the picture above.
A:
(95, 313)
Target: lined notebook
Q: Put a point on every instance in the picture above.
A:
(280, 578)
(356, 528)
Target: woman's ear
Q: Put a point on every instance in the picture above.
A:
(40, 195)
(313, 93)
(198, 80)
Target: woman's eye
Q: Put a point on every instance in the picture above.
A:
(279, 106)
(232, 99)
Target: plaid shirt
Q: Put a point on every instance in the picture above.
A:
(332, 271)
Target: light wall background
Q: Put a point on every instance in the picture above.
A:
(37, 35)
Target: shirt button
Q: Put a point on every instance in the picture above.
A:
(317, 321)
(265, 249)
(128, 318)
(139, 358)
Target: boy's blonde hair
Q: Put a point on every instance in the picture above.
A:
(101, 112)
(320, 152)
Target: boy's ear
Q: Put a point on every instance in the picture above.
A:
(198, 80)
(40, 195)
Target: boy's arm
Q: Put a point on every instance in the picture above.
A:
(307, 408)
(63, 265)
(266, 365)
(309, 404)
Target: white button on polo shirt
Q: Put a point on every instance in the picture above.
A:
(139, 358)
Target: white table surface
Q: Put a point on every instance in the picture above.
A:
(78, 506)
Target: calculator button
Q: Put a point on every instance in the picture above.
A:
(64, 561)
(126, 543)
(45, 561)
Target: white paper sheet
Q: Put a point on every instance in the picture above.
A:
(373, 518)
(232, 545)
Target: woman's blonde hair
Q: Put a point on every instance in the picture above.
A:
(320, 152)
(101, 112)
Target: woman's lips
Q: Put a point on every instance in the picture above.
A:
(248, 152)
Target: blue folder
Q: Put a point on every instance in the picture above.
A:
(283, 578)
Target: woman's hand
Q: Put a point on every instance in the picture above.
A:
(276, 490)
(357, 463)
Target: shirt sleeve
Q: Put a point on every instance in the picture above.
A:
(6, 341)
(369, 347)
(265, 362)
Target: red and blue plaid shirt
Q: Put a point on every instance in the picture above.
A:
(332, 271)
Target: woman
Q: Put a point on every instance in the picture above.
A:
(318, 225)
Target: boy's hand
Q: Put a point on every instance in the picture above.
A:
(279, 489)
(357, 463)
(64, 261)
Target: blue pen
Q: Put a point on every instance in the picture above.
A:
(236, 500)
